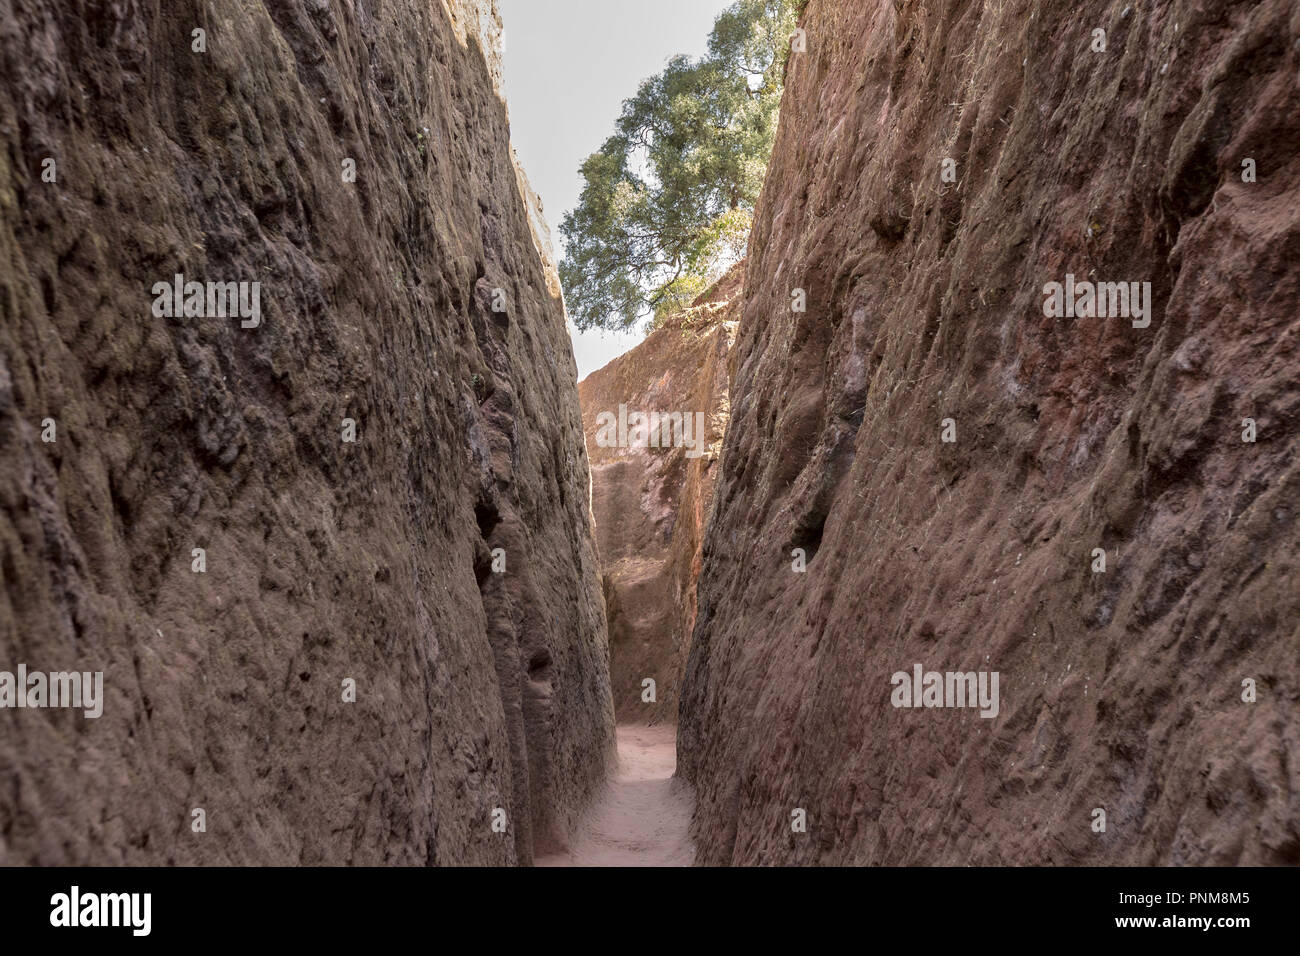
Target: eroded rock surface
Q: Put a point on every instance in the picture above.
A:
(651, 503)
(1120, 690)
(325, 560)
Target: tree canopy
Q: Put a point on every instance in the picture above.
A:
(668, 200)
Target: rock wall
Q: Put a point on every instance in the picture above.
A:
(409, 301)
(481, 21)
(650, 503)
(1120, 690)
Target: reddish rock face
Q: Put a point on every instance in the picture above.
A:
(651, 503)
(479, 685)
(1120, 690)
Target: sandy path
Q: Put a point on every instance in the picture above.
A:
(643, 817)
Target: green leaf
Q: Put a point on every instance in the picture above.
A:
(668, 200)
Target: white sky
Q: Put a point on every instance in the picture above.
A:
(569, 64)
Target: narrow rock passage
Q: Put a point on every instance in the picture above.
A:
(644, 816)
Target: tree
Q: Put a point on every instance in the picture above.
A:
(668, 200)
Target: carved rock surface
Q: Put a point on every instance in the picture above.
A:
(325, 560)
(651, 503)
(1120, 690)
